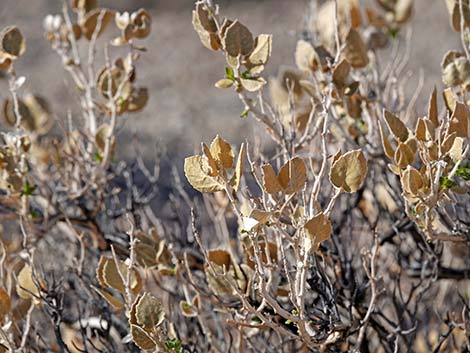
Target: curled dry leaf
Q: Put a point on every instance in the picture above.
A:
(205, 27)
(207, 173)
(109, 276)
(237, 176)
(455, 69)
(317, 230)
(388, 149)
(349, 171)
(261, 52)
(396, 126)
(196, 170)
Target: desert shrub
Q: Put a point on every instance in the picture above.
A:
(346, 231)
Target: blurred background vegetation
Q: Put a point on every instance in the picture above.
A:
(185, 107)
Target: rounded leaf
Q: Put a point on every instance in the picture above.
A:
(12, 42)
(349, 171)
(238, 40)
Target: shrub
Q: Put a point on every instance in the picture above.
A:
(348, 232)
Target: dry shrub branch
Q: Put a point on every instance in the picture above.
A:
(347, 231)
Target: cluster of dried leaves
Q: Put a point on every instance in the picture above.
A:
(350, 233)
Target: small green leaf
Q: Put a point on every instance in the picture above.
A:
(229, 73)
(28, 189)
(246, 75)
(393, 32)
(244, 113)
(446, 183)
(97, 157)
(463, 172)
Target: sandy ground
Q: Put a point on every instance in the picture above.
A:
(185, 108)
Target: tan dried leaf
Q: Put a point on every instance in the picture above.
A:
(220, 258)
(219, 272)
(456, 151)
(412, 181)
(224, 83)
(271, 248)
(26, 286)
(349, 171)
(253, 85)
(12, 42)
(403, 10)
(149, 311)
(459, 120)
(94, 19)
(396, 126)
(209, 39)
(420, 131)
(456, 15)
(387, 146)
(293, 175)
(205, 18)
(449, 99)
(305, 56)
(141, 23)
(433, 113)
(108, 275)
(238, 40)
(262, 51)
(222, 153)
(237, 176)
(317, 229)
(448, 142)
(270, 182)
(196, 170)
(355, 50)
(137, 100)
(404, 155)
(5, 61)
(341, 73)
(142, 338)
(111, 299)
